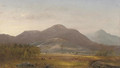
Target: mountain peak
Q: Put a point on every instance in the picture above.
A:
(101, 31)
(55, 28)
(59, 26)
(105, 38)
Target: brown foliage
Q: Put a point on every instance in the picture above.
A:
(17, 51)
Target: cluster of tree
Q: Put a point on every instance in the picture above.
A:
(105, 52)
(18, 51)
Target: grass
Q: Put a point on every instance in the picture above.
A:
(62, 61)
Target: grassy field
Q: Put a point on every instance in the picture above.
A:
(61, 61)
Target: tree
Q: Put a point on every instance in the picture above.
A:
(15, 51)
(105, 52)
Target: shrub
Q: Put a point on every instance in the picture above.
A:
(18, 51)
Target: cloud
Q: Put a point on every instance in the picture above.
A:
(85, 16)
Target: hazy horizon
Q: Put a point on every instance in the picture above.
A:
(87, 16)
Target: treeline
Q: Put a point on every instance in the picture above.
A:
(18, 51)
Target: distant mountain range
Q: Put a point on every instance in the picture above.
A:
(57, 38)
(103, 37)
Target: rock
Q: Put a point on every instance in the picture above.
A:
(48, 66)
(101, 64)
(25, 65)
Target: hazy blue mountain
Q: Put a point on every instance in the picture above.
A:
(103, 37)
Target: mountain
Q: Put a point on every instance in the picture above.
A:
(103, 37)
(58, 45)
(4, 38)
(57, 38)
(33, 36)
(28, 37)
(56, 31)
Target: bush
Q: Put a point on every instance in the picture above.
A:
(105, 52)
(18, 51)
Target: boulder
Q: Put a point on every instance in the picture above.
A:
(25, 65)
(101, 64)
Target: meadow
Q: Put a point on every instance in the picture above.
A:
(14, 54)
(62, 61)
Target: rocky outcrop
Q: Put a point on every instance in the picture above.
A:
(101, 64)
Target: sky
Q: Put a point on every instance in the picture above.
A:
(87, 16)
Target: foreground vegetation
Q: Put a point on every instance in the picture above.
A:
(62, 61)
(15, 54)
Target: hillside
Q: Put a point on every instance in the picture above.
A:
(4, 38)
(57, 38)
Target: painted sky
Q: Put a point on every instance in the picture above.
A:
(87, 16)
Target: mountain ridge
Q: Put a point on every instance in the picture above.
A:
(56, 31)
(54, 38)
